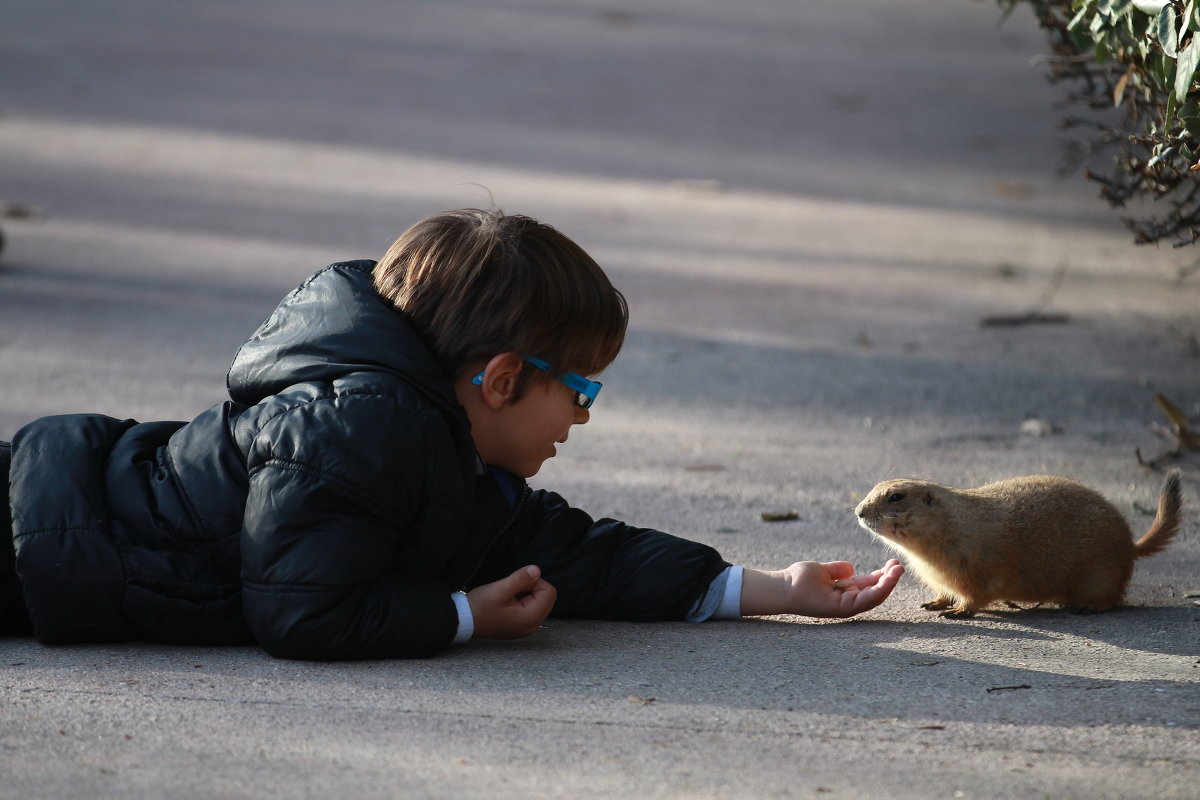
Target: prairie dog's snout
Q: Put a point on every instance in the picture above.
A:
(888, 510)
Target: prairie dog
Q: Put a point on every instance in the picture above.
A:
(1036, 539)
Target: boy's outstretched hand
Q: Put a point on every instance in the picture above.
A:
(512, 607)
(814, 589)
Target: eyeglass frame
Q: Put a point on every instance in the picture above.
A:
(585, 389)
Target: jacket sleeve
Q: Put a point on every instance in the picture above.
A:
(605, 569)
(326, 570)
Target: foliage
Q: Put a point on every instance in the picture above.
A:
(1132, 64)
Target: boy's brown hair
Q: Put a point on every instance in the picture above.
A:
(477, 283)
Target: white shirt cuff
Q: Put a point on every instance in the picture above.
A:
(731, 600)
(723, 600)
(466, 620)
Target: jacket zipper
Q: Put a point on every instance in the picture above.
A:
(517, 508)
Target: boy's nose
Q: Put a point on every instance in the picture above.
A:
(582, 415)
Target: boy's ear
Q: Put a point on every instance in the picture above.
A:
(500, 379)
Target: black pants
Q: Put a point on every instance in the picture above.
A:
(14, 619)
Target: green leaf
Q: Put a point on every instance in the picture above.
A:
(1079, 14)
(1187, 17)
(1151, 7)
(1160, 154)
(1078, 17)
(1166, 32)
(1114, 9)
(1185, 68)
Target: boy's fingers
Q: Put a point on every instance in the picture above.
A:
(539, 591)
(839, 569)
(870, 590)
(891, 571)
(535, 606)
(875, 595)
(868, 598)
(542, 597)
(522, 580)
(538, 595)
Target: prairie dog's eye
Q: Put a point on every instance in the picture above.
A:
(895, 497)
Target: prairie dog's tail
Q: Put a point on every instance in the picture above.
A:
(1166, 521)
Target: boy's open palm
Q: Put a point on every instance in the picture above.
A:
(814, 589)
(513, 607)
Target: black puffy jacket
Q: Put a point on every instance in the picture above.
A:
(327, 510)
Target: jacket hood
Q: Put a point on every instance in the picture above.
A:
(331, 325)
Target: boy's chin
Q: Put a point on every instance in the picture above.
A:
(523, 470)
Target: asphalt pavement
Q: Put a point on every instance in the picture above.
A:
(812, 208)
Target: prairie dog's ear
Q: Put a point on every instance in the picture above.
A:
(929, 501)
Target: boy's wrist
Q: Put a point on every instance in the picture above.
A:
(764, 592)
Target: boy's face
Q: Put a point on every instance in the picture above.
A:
(533, 425)
(518, 436)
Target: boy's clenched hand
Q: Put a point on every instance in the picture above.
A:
(829, 589)
(513, 607)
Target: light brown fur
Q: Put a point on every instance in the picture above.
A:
(1036, 539)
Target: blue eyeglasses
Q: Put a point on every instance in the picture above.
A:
(585, 390)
